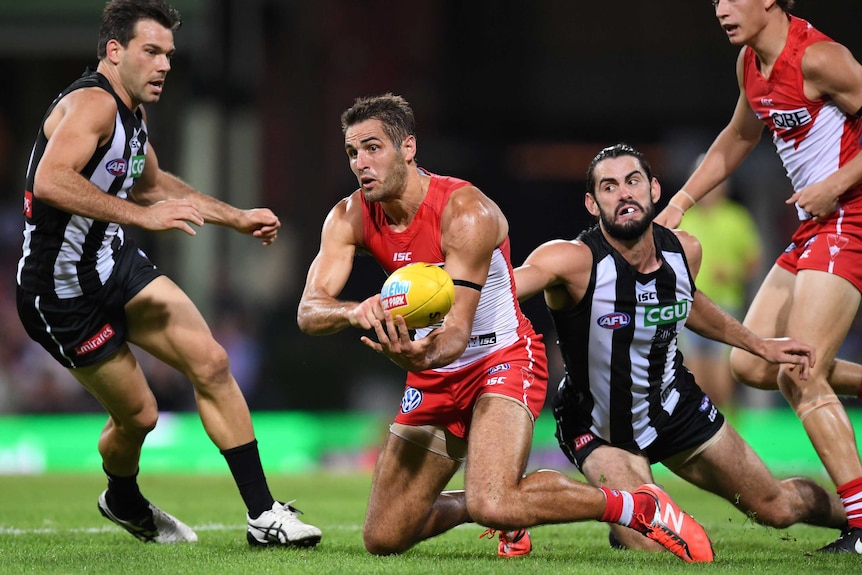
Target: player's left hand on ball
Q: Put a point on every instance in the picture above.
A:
(366, 313)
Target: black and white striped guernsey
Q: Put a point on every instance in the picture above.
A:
(619, 343)
(69, 255)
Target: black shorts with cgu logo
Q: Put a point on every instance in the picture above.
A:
(88, 329)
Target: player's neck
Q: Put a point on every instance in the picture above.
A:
(110, 72)
(400, 212)
(640, 254)
(770, 42)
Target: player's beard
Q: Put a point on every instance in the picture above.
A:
(631, 229)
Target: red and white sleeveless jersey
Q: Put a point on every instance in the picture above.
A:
(813, 137)
(498, 322)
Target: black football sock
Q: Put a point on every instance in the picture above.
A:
(124, 497)
(244, 463)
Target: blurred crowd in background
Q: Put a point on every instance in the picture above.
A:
(515, 97)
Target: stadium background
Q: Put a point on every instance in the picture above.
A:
(516, 97)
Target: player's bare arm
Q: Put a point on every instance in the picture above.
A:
(831, 71)
(709, 320)
(320, 311)
(559, 268)
(727, 152)
(471, 227)
(160, 189)
(80, 123)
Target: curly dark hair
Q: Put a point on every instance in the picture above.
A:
(120, 17)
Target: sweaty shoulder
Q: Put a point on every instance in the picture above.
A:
(692, 248)
(345, 219)
(470, 207)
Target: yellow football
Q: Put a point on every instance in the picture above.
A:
(421, 293)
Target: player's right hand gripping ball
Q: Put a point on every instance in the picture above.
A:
(421, 293)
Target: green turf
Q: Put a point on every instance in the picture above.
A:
(50, 524)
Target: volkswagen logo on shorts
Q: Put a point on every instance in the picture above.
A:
(411, 400)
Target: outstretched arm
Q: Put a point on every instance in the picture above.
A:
(726, 153)
(157, 186)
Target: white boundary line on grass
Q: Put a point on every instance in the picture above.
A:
(6, 530)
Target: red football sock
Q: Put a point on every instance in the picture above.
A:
(620, 506)
(851, 496)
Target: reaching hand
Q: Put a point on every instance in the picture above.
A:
(262, 223)
(393, 341)
(670, 217)
(172, 215)
(788, 350)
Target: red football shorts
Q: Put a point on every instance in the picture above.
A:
(832, 245)
(446, 399)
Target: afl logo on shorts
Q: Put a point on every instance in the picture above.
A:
(116, 167)
(411, 400)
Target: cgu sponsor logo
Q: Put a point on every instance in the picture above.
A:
(117, 167)
(395, 295)
(663, 314)
(137, 166)
(97, 341)
(614, 320)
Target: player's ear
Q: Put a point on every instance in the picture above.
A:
(408, 148)
(591, 205)
(113, 49)
(655, 190)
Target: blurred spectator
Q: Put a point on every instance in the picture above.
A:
(731, 260)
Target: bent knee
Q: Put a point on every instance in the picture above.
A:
(489, 512)
(212, 368)
(378, 544)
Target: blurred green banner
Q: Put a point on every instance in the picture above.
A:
(295, 442)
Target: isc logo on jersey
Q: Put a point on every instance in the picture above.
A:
(663, 314)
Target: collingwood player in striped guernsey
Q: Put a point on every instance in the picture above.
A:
(85, 291)
(619, 294)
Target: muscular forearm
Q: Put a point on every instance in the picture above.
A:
(67, 190)
(323, 317)
(214, 211)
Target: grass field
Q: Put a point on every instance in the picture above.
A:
(49, 524)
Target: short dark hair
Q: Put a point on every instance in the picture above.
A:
(786, 5)
(393, 112)
(120, 17)
(615, 151)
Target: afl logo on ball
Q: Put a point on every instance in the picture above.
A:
(411, 400)
(116, 167)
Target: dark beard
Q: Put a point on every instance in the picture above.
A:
(631, 230)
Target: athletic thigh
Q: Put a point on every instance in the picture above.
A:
(767, 317)
(407, 481)
(164, 321)
(824, 309)
(731, 469)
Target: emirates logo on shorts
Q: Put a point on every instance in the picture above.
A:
(97, 341)
(582, 440)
